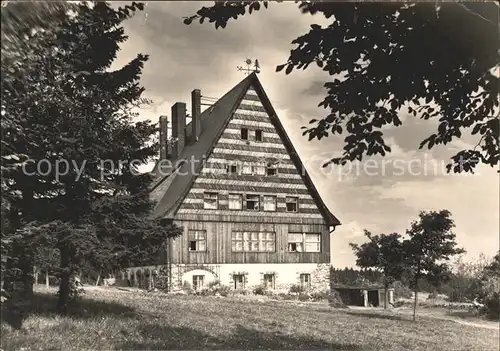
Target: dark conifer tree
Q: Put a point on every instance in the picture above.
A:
(88, 202)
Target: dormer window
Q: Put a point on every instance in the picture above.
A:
(244, 133)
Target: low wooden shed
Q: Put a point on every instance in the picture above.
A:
(365, 296)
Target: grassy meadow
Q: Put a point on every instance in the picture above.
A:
(117, 320)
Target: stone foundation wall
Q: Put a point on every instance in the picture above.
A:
(320, 277)
(285, 275)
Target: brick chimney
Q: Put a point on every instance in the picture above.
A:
(178, 128)
(196, 114)
(164, 152)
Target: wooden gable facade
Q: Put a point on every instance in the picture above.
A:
(246, 196)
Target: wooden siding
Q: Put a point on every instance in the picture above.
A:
(219, 224)
(253, 217)
(219, 250)
(213, 177)
(303, 199)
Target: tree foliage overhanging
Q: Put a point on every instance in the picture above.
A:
(440, 61)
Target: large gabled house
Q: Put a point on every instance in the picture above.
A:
(233, 180)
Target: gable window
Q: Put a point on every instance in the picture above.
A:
(292, 204)
(259, 170)
(304, 242)
(239, 281)
(253, 242)
(232, 169)
(258, 135)
(272, 169)
(197, 240)
(198, 281)
(305, 281)
(244, 133)
(210, 201)
(246, 169)
(252, 202)
(235, 201)
(269, 203)
(270, 281)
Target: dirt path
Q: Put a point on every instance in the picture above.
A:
(440, 315)
(486, 325)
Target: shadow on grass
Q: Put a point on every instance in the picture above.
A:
(184, 338)
(379, 315)
(14, 312)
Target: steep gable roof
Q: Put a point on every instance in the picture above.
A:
(214, 120)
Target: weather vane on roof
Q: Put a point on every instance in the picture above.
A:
(249, 69)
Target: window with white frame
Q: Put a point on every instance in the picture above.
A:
(253, 241)
(272, 168)
(305, 281)
(295, 243)
(259, 170)
(267, 242)
(258, 135)
(246, 168)
(292, 204)
(235, 201)
(313, 242)
(252, 202)
(210, 201)
(304, 242)
(239, 281)
(198, 282)
(269, 203)
(269, 280)
(197, 240)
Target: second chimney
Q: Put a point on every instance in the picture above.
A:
(178, 128)
(164, 151)
(196, 114)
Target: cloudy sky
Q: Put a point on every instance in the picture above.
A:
(381, 196)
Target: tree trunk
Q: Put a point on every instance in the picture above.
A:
(47, 278)
(27, 255)
(64, 285)
(385, 295)
(27, 275)
(98, 278)
(415, 304)
(18, 279)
